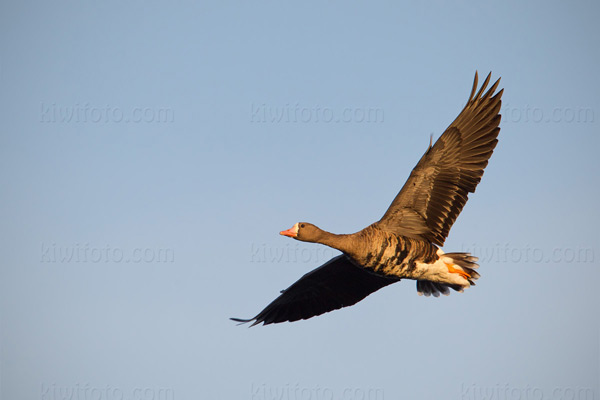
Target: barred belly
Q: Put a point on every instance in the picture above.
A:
(399, 257)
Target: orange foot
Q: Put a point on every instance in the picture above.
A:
(462, 273)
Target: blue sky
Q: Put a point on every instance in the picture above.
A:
(149, 160)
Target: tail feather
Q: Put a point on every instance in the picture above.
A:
(434, 289)
(465, 261)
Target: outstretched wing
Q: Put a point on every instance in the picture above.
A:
(337, 283)
(437, 189)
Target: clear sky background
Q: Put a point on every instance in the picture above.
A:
(146, 170)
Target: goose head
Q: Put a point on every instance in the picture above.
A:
(304, 231)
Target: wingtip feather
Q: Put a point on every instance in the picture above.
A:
(241, 321)
(475, 81)
(483, 86)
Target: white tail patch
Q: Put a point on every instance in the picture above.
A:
(451, 271)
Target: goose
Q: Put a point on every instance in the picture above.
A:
(406, 242)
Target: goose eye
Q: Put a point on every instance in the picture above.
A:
(301, 225)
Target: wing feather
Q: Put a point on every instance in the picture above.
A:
(438, 187)
(337, 283)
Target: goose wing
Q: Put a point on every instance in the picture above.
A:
(437, 189)
(337, 283)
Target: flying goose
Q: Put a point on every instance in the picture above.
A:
(405, 243)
